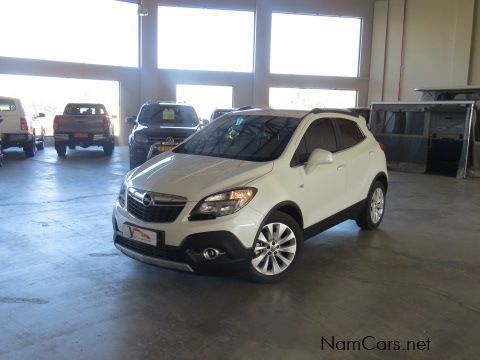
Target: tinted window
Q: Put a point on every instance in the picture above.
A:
(7, 105)
(320, 135)
(243, 137)
(85, 109)
(400, 123)
(351, 134)
(168, 115)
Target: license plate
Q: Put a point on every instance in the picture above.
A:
(139, 234)
(81, 135)
(163, 148)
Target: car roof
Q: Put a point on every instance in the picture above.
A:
(84, 104)
(8, 98)
(167, 103)
(293, 113)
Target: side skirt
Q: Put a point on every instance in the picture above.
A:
(350, 213)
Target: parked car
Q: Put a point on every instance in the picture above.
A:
(219, 112)
(83, 125)
(20, 127)
(245, 192)
(160, 127)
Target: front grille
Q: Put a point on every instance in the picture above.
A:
(177, 140)
(160, 251)
(156, 213)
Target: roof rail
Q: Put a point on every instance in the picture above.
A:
(331, 110)
(252, 108)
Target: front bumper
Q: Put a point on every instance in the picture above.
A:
(182, 242)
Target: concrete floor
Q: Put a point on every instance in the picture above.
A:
(66, 292)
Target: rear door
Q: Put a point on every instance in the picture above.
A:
(10, 113)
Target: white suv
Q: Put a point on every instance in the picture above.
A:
(19, 127)
(249, 188)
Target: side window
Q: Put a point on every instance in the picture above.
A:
(350, 133)
(321, 135)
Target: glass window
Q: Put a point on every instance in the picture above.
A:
(243, 137)
(87, 31)
(307, 99)
(85, 109)
(351, 134)
(205, 99)
(315, 45)
(174, 115)
(319, 135)
(50, 95)
(7, 105)
(205, 39)
(400, 123)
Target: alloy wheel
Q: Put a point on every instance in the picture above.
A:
(377, 205)
(275, 249)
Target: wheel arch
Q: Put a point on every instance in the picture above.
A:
(291, 209)
(382, 177)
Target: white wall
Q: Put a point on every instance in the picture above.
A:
(150, 83)
(441, 46)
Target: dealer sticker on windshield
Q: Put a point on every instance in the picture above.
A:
(139, 234)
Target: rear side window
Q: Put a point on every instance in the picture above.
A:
(320, 135)
(7, 105)
(350, 133)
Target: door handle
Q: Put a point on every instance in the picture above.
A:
(340, 167)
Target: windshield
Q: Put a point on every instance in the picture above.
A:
(243, 137)
(178, 116)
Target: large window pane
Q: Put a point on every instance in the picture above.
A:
(315, 45)
(204, 39)
(50, 95)
(87, 31)
(205, 98)
(307, 99)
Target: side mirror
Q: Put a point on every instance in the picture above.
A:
(318, 157)
(40, 115)
(132, 120)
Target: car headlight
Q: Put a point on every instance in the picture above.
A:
(221, 204)
(122, 195)
(141, 139)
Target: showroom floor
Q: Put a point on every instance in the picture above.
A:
(66, 292)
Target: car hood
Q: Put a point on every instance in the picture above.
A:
(194, 176)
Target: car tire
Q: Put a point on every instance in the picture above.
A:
(41, 144)
(61, 150)
(30, 148)
(374, 209)
(108, 148)
(275, 250)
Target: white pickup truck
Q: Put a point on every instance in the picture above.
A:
(19, 127)
(83, 125)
